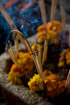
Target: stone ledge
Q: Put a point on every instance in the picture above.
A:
(23, 93)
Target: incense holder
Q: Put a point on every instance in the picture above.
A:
(21, 94)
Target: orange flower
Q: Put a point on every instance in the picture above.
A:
(33, 87)
(57, 26)
(41, 28)
(14, 68)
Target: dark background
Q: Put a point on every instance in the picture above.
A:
(27, 21)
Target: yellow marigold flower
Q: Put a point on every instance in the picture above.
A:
(35, 45)
(14, 77)
(68, 61)
(54, 85)
(61, 64)
(35, 83)
(13, 67)
(52, 77)
(42, 35)
(46, 73)
(57, 26)
(67, 50)
(62, 53)
(41, 28)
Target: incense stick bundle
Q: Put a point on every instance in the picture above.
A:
(40, 53)
(38, 64)
(10, 51)
(45, 52)
(13, 59)
(40, 71)
(53, 10)
(69, 36)
(63, 15)
(17, 46)
(7, 17)
(68, 79)
(18, 37)
(43, 13)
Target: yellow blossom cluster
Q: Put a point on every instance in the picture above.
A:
(52, 31)
(35, 83)
(16, 72)
(25, 60)
(15, 77)
(64, 58)
(54, 85)
(35, 45)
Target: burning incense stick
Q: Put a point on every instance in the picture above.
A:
(45, 52)
(12, 51)
(11, 55)
(14, 61)
(43, 13)
(38, 64)
(7, 17)
(40, 52)
(68, 79)
(17, 46)
(20, 36)
(69, 36)
(63, 15)
(53, 10)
